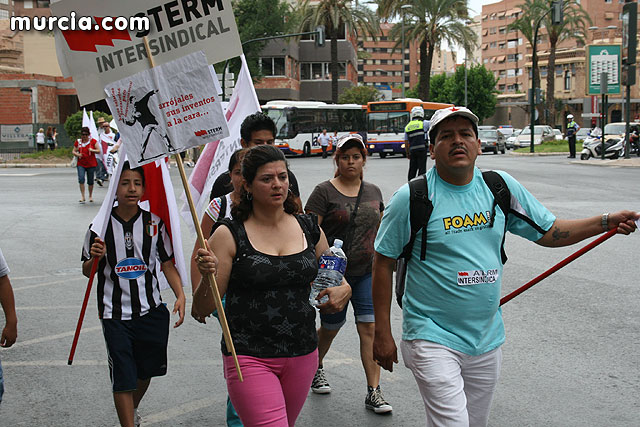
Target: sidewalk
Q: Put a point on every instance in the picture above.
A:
(633, 162)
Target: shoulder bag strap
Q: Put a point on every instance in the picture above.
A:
(352, 218)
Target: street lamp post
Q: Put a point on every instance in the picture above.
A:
(33, 96)
(403, 8)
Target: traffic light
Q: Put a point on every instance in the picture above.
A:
(320, 35)
(557, 12)
(629, 32)
(539, 96)
(628, 75)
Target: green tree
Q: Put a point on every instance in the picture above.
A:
(256, 19)
(430, 22)
(481, 90)
(334, 15)
(359, 95)
(73, 124)
(573, 26)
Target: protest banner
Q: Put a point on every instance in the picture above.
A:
(214, 159)
(167, 109)
(97, 57)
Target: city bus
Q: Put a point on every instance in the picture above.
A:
(386, 121)
(298, 124)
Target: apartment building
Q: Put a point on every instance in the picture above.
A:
(300, 70)
(508, 55)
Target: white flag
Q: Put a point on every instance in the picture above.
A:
(214, 159)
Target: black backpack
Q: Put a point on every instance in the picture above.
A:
(420, 209)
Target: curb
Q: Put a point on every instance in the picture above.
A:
(34, 165)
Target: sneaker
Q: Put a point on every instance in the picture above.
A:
(99, 181)
(320, 384)
(137, 419)
(375, 401)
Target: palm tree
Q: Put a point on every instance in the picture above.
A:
(573, 26)
(431, 22)
(334, 14)
(532, 10)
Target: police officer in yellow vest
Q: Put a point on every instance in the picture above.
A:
(416, 142)
(572, 129)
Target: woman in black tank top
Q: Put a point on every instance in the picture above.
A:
(266, 259)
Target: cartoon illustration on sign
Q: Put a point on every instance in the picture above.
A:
(142, 114)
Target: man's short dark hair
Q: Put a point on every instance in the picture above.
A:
(256, 122)
(127, 167)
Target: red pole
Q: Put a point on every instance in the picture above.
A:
(94, 267)
(558, 266)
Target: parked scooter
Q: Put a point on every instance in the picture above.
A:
(592, 147)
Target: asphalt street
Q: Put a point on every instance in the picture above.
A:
(571, 356)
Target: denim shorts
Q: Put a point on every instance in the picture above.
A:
(360, 299)
(90, 173)
(137, 348)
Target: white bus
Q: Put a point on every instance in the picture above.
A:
(298, 124)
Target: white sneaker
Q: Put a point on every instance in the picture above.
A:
(320, 385)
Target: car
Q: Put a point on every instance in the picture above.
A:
(506, 130)
(510, 144)
(542, 133)
(582, 134)
(558, 134)
(492, 140)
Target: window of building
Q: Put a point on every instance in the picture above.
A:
(511, 88)
(493, 30)
(501, 87)
(567, 80)
(501, 46)
(4, 14)
(512, 43)
(28, 4)
(502, 30)
(511, 72)
(543, 71)
(320, 70)
(493, 45)
(4, 1)
(485, 60)
(272, 66)
(607, 1)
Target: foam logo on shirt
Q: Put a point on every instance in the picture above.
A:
(131, 268)
(476, 277)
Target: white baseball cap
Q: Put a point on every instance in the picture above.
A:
(350, 137)
(445, 113)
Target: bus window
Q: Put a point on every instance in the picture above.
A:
(280, 119)
(378, 122)
(397, 121)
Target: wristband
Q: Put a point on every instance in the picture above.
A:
(605, 221)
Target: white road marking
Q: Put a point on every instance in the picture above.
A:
(55, 337)
(185, 408)
(20, 174)
(48, 307)
(90, 362)
(40, 285)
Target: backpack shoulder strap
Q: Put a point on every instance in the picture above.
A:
(420, 208)
(502, 198)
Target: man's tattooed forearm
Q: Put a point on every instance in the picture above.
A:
(557, 234)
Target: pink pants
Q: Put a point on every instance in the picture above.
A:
(273, 391)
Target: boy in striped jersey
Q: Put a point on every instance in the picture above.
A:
(135, 322)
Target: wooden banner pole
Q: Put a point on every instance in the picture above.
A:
(201, 240)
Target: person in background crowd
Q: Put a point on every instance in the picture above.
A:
(324, 139)
(85, 150)
(40, 140)
(256, 129)
(415, 136)
(135, 321)
(51, 142)
(265, 260)
(349, 208)
(10, 330)
(452, 329)
(572, 129)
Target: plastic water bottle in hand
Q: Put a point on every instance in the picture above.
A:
(331, 267)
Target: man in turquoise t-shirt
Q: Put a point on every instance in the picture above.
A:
(452, 324)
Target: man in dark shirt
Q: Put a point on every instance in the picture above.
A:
(256, 129)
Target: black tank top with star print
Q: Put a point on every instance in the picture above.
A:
(267, 298)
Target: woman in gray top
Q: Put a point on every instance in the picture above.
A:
(349, 208)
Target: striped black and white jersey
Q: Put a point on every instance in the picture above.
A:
(128, 273)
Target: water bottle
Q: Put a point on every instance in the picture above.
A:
(331, 267)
